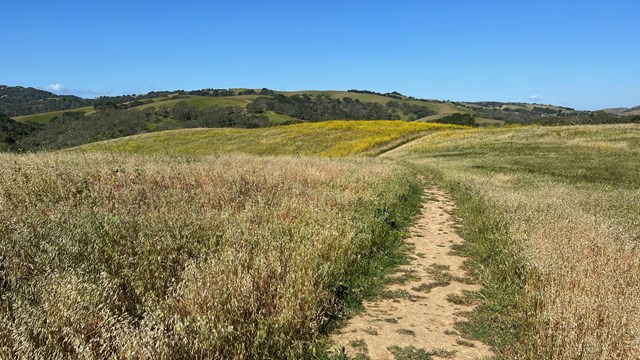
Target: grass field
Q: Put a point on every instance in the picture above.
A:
(44, 118)
(276, 118)
(233, 257)
(369, 98)
(327, 139)
(489, 122)
(554, 232)
(443, 109)
(200, 102)
(133, 255)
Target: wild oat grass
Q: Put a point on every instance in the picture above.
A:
(122, 256)
(325, 139)
(562, 205)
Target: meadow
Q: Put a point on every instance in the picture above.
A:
(135, 257)
(250, 243)
(325, 139)
(199, 102)
(43, 118)
(552, 229)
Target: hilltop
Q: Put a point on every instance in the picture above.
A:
(623, 111)
(18, 100)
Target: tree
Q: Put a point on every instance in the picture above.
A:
(182, 111)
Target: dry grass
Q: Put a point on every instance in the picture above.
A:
(565, 202)
(105, 256)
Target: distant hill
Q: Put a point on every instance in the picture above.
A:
(615, 111)
(623, 111)
(632, 111)
(18, 100)
(72, 121)
(515, 112)
(11, 132)
(319, 105)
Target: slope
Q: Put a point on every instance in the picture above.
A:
(43, 118)
(18, 100)
(552, 229)
(329, 139)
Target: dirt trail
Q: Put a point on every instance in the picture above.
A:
(416, 316)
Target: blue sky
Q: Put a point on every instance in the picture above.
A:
(582, 54)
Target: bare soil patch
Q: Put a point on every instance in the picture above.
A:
(416, 316)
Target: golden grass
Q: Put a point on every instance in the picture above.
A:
(325, 139)
(121, 256)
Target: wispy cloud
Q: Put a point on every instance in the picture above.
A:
(535, 98)
(60, 89)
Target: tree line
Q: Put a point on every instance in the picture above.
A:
(76, 128)
(323, 107)
(18, 100)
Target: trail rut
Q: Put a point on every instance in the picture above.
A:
(424, 300)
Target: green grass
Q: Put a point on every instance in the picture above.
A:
(44, 118)
(328, 139)
(443, 109)
(489, 122)
(413, 353)
(551, 230)
(369, 98)
(200, 102)
(276, 119)
(581, 155)
(360, 345)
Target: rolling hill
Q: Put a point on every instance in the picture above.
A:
(404, 107)
(18, 100)
(118, 116)
(325, 139)
(622, 111)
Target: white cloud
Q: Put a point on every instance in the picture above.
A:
(60, 89)
(535, 98)
(56, 88)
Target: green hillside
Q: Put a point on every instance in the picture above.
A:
(199, 102)
(328, 139)
(442, 108)
(290, 106)
(439, 109)
(43, 118)
(19, 100)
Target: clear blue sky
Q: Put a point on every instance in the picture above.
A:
(582, 54)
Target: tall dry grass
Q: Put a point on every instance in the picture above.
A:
(221, 257)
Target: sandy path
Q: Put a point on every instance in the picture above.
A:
(415, 314)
